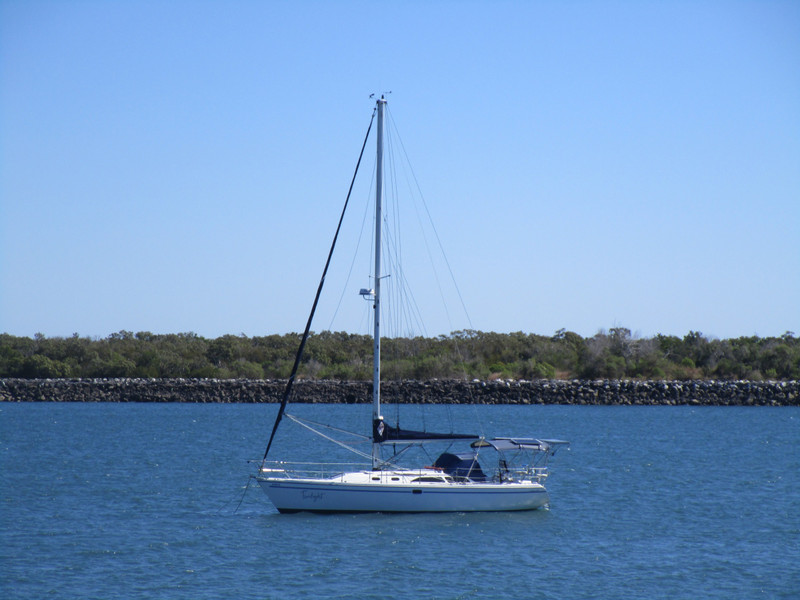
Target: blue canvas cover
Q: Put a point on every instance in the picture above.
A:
(382, 432)
(460, 465)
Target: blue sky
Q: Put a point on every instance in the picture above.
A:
(180, 166)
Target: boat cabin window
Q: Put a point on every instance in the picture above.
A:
(428, 479)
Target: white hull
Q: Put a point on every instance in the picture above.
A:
(355, 492)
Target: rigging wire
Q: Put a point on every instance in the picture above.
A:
(430, 221)
(346, 285)
(297, 419)
(299, 355)
(329, 438)
(457, 347)
(407, 313)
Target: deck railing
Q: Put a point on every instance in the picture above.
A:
(310, 470)
(317, 470)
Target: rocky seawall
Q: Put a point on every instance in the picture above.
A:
(598, 392)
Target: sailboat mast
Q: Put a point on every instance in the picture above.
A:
(376, 353)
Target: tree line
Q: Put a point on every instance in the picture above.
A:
(613, 354)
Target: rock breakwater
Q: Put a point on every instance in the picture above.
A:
(598, 392)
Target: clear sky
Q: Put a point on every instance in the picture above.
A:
(179, 166)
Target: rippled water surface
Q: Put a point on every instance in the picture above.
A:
(140, 501)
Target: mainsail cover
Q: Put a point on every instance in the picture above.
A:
(382, 432)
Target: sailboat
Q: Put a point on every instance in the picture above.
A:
(457, 481)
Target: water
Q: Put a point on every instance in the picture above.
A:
(139, 500)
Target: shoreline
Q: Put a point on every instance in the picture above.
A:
(601, 392)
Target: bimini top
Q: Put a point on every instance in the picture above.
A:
(502, 444)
